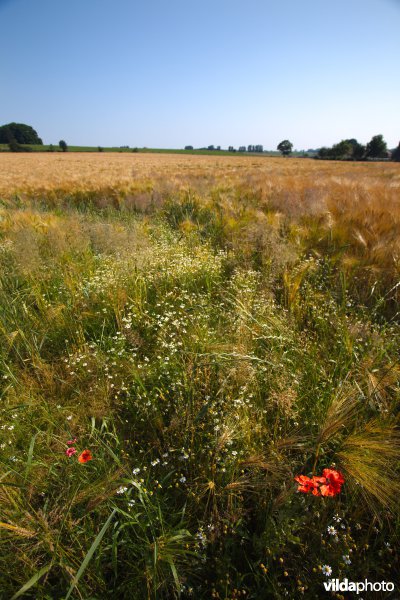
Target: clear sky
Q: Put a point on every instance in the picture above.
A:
(167, 73)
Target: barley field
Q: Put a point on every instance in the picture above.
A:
(199, 376)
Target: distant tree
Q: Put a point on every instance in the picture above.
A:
(396, 154)
(376, 148)
(323, 152)
(348, 149)
(342, 151)
(63, 145)
(21, 133)
(135, 149)
(358, 150)
(50, 148)
(285, 147)
(210, 147)
(100, 149)
(188, 147)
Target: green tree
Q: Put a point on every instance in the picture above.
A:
(376, 148)
(20, 133)
(285, 147)
(63, 145)
(358, 151)
(396, 153)
(349, 149)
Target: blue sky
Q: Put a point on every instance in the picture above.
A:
(225, 72)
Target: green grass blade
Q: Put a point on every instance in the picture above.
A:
(89, 555)
(30, 455)
(32, 581)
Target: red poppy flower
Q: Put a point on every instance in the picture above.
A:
(70, 452)
(85, 456)
(334, 482)
(306, 484)
(329, 484)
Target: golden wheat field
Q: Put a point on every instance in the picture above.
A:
(357, 204)
(42, 173)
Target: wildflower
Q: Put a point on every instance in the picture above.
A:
(70, 452)
(331, 530)
(334, 482)
(69, 418)
(307, 484)
(182, 479)
(136, 471)
(326, 570)
(85, 456)
(337, 518)
(70, 442)
(155, 462)
(122, 490)
(346, 559)
(328, 485)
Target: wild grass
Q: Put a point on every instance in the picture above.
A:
(208, 328)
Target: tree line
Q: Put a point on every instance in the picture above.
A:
(19, 136)
(351, 149)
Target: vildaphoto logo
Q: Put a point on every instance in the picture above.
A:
(336, 585)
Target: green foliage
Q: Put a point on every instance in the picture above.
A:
(376, 148)
(21, 133)
(349, 149)
(396, 153)
(285, 147)
(63, 145)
